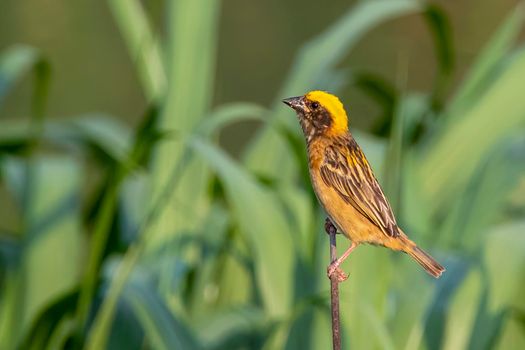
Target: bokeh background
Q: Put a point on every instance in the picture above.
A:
(154, 193)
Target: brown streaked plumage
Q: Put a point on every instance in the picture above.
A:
(345, 184)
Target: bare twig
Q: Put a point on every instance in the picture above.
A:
(334, 285)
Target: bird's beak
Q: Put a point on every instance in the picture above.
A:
(297, 103)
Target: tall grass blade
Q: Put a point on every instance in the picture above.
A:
(163, 329)
(268, 232)
(191, 48)
(484, 198)
(232, 327)
(506, 276)
(449, 161)
(461, 314)
(226, 115)
(488, 65)
(143, 46)
(52, 225)
(98, 334)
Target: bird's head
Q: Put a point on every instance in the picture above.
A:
(320, 114)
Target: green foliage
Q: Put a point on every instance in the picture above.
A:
(174, 244)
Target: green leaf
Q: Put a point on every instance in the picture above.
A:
(363, 297)
(49, 189)
(504, 257)
(103, 132)
(100, 133)
(99, 332)
(513, 336)
(126, 332)
(298, 205)
(461, 315)
(321, 330)
(488, 65)
(106, 213)
(230, 114)
(14, 63)
(143, 46)
(62, 333)
(450, 159)
(483, 200)
(261, 219)
(488, 325)
(47, 322)
(162, 328)
(231, 328)
(190, 67)
(406, 323)
(447, 286)
(98, 335)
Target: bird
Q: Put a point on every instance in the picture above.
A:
(345, 184)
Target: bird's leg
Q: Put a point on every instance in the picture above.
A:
(333, 268)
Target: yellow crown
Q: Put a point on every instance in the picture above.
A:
(334, 106)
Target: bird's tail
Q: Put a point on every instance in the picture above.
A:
(423, 258)
(429, 264)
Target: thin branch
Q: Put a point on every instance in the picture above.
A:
(334, 286)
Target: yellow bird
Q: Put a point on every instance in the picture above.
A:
(345, 184)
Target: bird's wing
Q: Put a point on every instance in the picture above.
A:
(351, 176)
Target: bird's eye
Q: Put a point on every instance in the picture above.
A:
(314, 105)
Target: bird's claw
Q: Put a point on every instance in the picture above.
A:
(334, 270)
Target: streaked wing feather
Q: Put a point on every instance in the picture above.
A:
(352, 178)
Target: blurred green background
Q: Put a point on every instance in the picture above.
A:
(154, 192)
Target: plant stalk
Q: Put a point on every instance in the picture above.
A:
(334, 287)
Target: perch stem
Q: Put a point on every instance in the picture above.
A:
(334, 286)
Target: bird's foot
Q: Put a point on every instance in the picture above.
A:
(334, 271)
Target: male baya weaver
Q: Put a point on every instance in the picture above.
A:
(345, 184)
